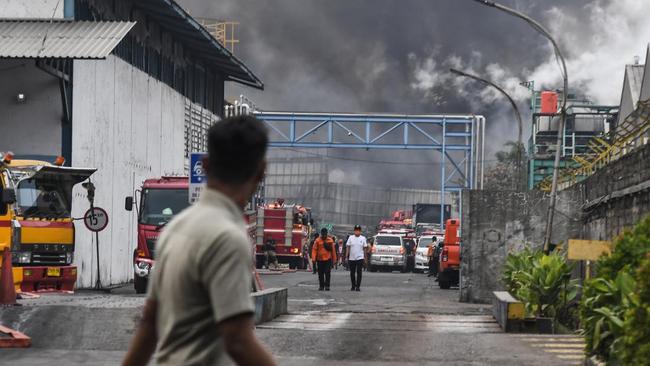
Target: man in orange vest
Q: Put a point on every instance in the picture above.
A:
(432, 253)
(324, 255)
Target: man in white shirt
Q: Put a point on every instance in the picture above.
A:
(355, 252)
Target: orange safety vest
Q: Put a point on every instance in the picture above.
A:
(319, 253)
(430, 251)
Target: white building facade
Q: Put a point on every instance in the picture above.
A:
(131, 93)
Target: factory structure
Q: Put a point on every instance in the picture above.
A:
(593, 136)
(128, 87)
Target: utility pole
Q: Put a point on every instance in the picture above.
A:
(558, 153)
(520, 144)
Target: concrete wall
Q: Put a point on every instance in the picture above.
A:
(496, 223)
(309, 181)
(32, 9)
(32, 127)
(617, 196)
(129, 126)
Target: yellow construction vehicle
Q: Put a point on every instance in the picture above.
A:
(36, 221)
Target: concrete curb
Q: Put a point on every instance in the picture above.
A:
(594, 361)
(508, 311)
(269, 304)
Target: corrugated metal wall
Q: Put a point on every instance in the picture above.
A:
(305, 180)
(131, 127)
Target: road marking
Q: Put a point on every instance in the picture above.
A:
(568, 348)
(580, 346)
(381, 322)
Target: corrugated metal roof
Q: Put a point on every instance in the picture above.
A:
(60, 39)
(173, 17)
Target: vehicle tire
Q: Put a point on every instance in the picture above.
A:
(403, 269)
(140, 284)
(292, 264)
(259, 262)
(373, 268)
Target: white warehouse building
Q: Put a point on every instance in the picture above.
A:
(125, 86)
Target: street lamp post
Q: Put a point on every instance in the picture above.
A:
(520, 144)
(558, 152)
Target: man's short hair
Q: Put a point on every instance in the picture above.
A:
(236, 147)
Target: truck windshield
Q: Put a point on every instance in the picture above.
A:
(388, 240)
(160, 205)
(44, 198)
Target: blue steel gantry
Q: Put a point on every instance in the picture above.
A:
(458, 138)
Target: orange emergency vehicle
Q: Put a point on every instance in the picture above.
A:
(449, 260)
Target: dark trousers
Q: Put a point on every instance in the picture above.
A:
(433, 266)
(356, 268)
(324, 273)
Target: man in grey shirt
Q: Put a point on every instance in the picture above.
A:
(198, 309)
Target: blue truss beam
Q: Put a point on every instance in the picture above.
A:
(322, 127)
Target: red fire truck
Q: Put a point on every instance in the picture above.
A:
(160, 199)
(289, 226)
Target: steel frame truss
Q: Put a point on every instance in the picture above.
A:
(460, 140)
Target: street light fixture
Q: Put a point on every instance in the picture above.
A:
(558, 152)
(517, 114)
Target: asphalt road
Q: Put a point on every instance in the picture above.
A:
(396, 319)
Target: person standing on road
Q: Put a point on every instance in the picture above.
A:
(305, 255)
(269, 253)
(433, 260)
(198, 309)
(311, 248)
(339, 252)
(355, 252)
(324, 255)
(337, 249)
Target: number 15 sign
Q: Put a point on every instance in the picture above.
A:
(96, 219)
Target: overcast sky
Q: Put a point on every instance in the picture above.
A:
(393, 55)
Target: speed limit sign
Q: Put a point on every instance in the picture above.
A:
(96, 219)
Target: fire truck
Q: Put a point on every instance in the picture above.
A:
(35, 218)
(158, 201)
(289, 226)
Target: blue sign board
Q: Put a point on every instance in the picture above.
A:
(198, 179)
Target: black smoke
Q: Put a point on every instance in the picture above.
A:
(361, 56)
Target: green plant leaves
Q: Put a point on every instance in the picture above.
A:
(615, 305)
(542, 282)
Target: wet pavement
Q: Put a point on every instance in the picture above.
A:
(396, 319)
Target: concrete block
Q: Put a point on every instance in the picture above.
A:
(508, 311)
(269, 304)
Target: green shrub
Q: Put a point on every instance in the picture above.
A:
(546, 288)
(516, 263)
(609, 310)
(629, 251)
(602, 312)
(635, 346)
(541, 282)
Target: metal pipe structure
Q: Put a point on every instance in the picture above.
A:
(560, 132)
(520, 144)
(455, 141)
